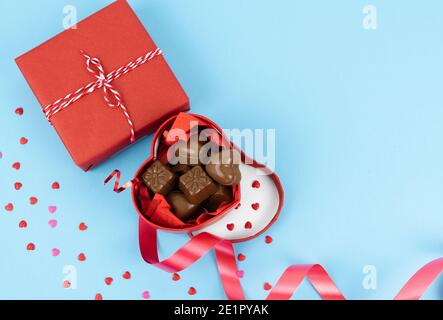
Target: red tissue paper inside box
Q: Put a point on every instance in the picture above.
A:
(90, 128)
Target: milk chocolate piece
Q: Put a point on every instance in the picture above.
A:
(188, 152)
(197, 185)
(158, 178)
(181, 207)
(224, 167)
(180, 169)
(223, 194)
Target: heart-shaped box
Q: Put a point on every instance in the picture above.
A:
(257, 200)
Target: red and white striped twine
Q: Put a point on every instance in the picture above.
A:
(112, 97)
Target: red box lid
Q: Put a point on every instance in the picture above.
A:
(91, 130)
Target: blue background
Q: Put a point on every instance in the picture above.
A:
(358, 117)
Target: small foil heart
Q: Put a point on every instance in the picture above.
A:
(52, 223)
(192, 291)
(108, 281)
(19, 111)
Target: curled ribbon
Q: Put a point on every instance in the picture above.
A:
(112, 97)
(287, 284)
(117, 174)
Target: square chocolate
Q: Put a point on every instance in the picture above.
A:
(158, 178)
(196, 185)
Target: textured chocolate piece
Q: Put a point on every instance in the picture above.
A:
(224, 167)
(188, 152)
(223, 194)
(196, 185)
(158, 178)
(181, 207)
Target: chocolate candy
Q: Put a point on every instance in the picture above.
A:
(188, 152)
(181, 207)
(158, 178)
(223, 194)
(180, 168)
(197, 185)
(223, 167)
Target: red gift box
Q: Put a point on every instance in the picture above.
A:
(95, 126)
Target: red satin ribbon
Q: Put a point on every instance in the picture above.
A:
(192, 251)
(289, 281)
(201, 244)
(420, 281)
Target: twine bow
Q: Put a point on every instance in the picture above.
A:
(112, 97)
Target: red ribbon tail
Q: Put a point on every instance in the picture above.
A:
(117, 174)
(290, 280)
(420, 281)
(183, 258)
(227, 268)
(190, 253)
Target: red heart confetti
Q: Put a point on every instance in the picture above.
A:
(82, 226)
(255, 206)
(146, 295)
(240, 273)
(52, 209)
(55, 252)
(9, 207)
(33, 200)
(126, 275)
(230, 226)
(267, 286)
(16, 165)
(248, 225)
(241, 257)
(175, 277)
(66, 284)
(22, 224)
(18, 185)
(268, 239)
(256, 184)
(192, 291)
(55, 185)
(98, 296)
(108, 280)
(82, 257)
(30, 247)
(23, 140)
(19, 111)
